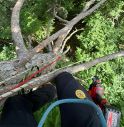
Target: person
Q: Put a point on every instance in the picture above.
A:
(96, 91)
(18, 110)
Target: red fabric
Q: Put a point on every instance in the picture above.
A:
(109, 121)
(93, 94)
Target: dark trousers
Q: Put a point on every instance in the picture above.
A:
(18, 110)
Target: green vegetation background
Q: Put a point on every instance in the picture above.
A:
(103, 34)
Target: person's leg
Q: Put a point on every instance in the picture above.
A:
(67, 85)
(18, 110)
(76, 115)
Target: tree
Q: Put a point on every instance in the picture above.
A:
(14, 71)
(37, 42)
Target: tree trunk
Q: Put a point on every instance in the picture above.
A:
(7, 69)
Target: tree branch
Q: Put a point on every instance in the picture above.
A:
(88, 4)
(16, 30)
(71, 69)
(29, 40)
(50, 49)
(65, 41)
(59, 18)
(84, 14)
(70, 25)
(74, 21)
(63, 32)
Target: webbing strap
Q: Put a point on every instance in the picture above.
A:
(84, 101)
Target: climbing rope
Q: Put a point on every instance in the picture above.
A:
(84, 101)
(30, 77)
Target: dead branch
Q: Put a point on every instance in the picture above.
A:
(59, 18)
(61, 38)
(27, 72)
(67, 50)
(58, 43)
(17, 76)
(83, 14)
(50, 49)
(71, 69)
(16, 30)
(65, 41)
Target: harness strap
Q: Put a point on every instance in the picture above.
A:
(84, 101)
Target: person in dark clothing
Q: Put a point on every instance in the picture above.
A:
(18, 110)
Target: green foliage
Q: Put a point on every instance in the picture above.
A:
(103, 34)
(36, 21)
(53, 119)
(5, 16)
(99, 38)
(7, 53)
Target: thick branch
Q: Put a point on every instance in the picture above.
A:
(87, 65)
(72, 69)
(64, 31)
(16, 31)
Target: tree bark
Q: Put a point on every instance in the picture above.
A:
(16, 30)
(11, 76)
